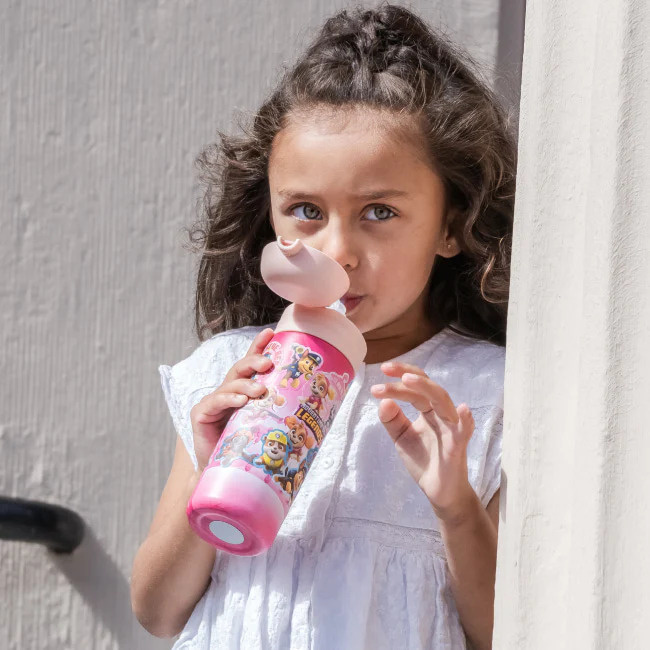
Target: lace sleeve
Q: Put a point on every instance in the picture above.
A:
(492, 473)
(484, 452)
(187, 382)
(179, 410)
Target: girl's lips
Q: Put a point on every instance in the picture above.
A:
(351, 302)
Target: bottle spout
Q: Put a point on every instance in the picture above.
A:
(289, 247)
(302, 274)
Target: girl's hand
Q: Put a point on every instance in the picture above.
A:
(210, 416)
(434, 447)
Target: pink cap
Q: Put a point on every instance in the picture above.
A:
(303, 274)
(235, 511)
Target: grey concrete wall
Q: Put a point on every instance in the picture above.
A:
(573, 562)
(104, 107)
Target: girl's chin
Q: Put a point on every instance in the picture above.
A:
(353, 317)
(360, 322)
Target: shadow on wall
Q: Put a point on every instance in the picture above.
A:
(510, 51)
(89, 566)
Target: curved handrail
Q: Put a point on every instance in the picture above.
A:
(58, 528)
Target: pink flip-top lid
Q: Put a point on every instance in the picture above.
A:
(312, 280)
(303, 274)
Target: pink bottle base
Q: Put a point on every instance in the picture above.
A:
(235, 511)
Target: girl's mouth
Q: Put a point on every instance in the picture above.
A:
(350, 303)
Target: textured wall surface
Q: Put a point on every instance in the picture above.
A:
(573, 560)
(104, 107)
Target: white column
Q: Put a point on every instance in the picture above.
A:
(574, 539)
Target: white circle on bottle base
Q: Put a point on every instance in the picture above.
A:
(226, 532)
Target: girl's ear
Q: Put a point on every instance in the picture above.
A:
(449, 247)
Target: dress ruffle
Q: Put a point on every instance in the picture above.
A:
(352, 593)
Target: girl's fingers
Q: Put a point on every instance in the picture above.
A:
(397, 390)
(393, 418)
(256, 348)
(422, 384)
(260, 341)
(461, 425)
(436, 394)
(417, 391)
(249, 365)
(211, 406)
(210, 409)
(248, 387)
(233, 394)
(397, 369)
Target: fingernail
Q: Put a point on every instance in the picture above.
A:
(409, 376)
(378, 388)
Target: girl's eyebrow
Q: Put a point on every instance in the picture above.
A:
(296, 195)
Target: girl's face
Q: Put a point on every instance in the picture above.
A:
(354, 185)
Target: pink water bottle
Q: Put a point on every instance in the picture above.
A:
(268, 445)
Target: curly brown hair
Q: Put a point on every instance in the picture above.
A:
(384, 58)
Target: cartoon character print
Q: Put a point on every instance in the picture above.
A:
(263, 406)
(293, 478)
(304, 362)
(301, 439)
(320, 389)
(273, 350)
(330, 417)
(233, 446)
(275, 449)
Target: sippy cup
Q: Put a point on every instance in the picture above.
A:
(269, 444)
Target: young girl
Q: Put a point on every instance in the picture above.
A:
(384, 150)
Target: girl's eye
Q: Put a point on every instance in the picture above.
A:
(311, 213)
(382, 213)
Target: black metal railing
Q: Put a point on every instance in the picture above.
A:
(58, 528)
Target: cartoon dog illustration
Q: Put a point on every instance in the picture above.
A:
(304, 362)
(293, 479)
(320, 389)
(233, 446)
(330, 417)
(301, 440)
(263, 406)
(274, 452)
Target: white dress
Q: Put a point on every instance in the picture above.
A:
(359, 562)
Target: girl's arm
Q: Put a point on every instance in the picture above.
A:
(172, 567)
(434, 450)
(470, 538)
(171, 570)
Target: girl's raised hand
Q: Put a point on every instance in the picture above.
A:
(434, 446)
(210, 416)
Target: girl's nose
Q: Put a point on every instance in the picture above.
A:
(339, 244)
